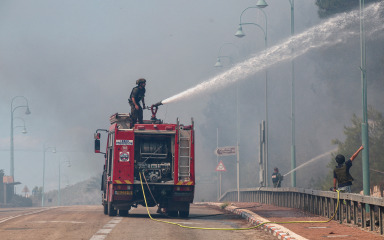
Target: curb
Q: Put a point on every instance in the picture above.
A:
(276, 230)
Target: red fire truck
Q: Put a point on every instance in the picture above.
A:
(164, 155)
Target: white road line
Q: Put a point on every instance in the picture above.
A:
(98, 237)
(74, 222)
(25, 214)
(102, 233)
(108, 225)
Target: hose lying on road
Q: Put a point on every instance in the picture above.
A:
(173, 223)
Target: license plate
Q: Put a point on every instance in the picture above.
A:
(123, 192)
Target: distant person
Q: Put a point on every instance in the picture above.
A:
(137, 95)
(341, 173)
(276, 178)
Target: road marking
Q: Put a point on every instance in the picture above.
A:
(108, 225)
(74, 222)
(25, 214)
(102, 233)
(317, 227)
(115, 221)
(98, 237)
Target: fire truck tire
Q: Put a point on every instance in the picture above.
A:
(111, 210)
(123, 213)
(172, 213)
(105, 208)
(184, 214)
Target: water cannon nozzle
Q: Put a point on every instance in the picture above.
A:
(157, 104)
(154, 109)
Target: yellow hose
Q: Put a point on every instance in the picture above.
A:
(145, 199)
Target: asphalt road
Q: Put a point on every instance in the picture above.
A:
(89, 223)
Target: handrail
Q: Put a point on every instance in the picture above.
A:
(317, 202)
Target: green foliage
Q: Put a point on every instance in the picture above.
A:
(224, 205)
(353, 142)
(330, 7)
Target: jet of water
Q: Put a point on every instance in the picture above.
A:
(311, 160)
(334, 31)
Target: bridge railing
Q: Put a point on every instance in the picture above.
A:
(352, 209)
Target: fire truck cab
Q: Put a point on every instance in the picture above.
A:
(163, 154)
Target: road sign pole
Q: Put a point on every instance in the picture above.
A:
(220, 186)
(217, 162)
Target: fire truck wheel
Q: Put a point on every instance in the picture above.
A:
(111, 210)
(183, 214)
(105, 208)
(172, 213)
(123, 213)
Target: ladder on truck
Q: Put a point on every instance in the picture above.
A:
(184, 154)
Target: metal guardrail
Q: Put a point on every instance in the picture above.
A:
(354, 208)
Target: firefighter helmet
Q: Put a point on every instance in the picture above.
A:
(340, 159)
(141, 80)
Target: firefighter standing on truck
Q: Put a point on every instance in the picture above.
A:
(137, 95)
(341, 173)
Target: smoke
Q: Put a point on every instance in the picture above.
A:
(326, 34)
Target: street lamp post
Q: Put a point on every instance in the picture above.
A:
(260, 4)
(68, 165)
(293, 141)
(44, 150)
(12, 166)
(364, 124)
(218, 64)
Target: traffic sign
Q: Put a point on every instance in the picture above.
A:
(225, 151)
(220, 167)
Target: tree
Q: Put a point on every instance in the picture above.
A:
(352, 143)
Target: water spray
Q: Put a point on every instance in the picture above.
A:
(326, 34)
(310, 161)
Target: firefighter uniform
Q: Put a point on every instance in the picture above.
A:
(138, 93)
(344, 178)
(276, 179)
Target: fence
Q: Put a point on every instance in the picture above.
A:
(364, 211)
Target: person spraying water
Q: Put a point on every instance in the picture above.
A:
(341, 173)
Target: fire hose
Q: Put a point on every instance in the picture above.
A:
(222, 229)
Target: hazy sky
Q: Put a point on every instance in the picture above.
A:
(77, 61)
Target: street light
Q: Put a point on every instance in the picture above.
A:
(364, 124)
(220, 56)
(24, 131)
(261, 4)
(293, 140)
(219, 65)
(12, 166)
(239, 33)
(44, 150)
(68, 165)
